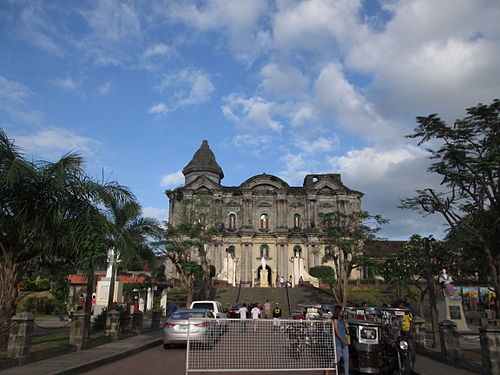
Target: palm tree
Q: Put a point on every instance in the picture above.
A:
(128, 234)
(41, 204)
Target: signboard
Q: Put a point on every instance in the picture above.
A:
(455, 313)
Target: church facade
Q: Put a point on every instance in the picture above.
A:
(267, 224)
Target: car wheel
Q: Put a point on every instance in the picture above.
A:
(166, 346)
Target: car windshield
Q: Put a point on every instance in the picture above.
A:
(201, 305)
(186, 315)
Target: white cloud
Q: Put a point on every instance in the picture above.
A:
(158, 50)
(386, 176)
(320, 144)
(53, 142)
(66, 84)
(186, 87)
(248, 140)
(338, 100)
(158, 109)
(173, 179)
(240, 21)
(154, 212)
(252, 114)
(105, 88)
(283, 82)
(15, 101)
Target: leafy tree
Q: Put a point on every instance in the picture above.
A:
(128, 233)
(409, 267)
(467, 156)
(202, 215)
(347, 234)
(324, 273)
(47, 211)
(176, 244)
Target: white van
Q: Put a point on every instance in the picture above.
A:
(214, 306)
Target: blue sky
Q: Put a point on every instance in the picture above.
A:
(283, 87)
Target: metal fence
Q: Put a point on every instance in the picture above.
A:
(234, 345)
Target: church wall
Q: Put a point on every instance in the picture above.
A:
(281, 237)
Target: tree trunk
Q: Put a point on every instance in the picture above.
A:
(90, 290)
(205, 280)
(9, 279)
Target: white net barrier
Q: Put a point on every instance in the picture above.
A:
(231, 345)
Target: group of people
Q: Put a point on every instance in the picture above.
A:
(281, 282)
(258, 311)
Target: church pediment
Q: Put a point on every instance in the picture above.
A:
(202, 184)
(327, 186)
(264, 182)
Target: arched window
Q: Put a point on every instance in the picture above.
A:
(232, 221)
(231, 250)
(297, 251)
(264, 221)
(296, 221)
(264, 251)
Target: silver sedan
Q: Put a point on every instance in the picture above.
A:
(200, 325)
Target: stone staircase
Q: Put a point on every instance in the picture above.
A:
(228, 295)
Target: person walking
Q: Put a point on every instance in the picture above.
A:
(341, 341)
(243, 311)
(172, 307)
(276, 316)
(267, 309)
(256, 313)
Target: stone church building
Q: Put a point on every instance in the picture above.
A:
(267, 224)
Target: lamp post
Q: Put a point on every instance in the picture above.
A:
(428, 242)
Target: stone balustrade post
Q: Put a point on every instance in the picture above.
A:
(20, 336)
(137, 321)
(79, 330)
(490, 349)
(419, 325)
(450, 346)
(113, 324)
(155, 319)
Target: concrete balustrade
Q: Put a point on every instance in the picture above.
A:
(137, 322)
(490, 349)
(155, 319)
(79, 330)
(20, 336)
(450, 346)
(113, 324)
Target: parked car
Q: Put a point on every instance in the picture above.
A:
(203, 329)
(233, 311)
(214, 306)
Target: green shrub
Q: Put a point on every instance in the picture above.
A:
(42, 284)
(100, 320)
(39, 305)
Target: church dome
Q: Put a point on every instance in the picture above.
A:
(203, 163)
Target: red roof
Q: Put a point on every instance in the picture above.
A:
(124, 278)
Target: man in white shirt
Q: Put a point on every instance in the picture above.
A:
(243, 311)
(255, 316)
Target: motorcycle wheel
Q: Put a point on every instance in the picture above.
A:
(406, 365)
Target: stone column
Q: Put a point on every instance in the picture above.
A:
(113, 324)
(419, 324)
(137, 320)
(155, 319)
(490, 349)
(149, 299)
(20, 336)
(79, 330)
(450, 346)
(163, 299)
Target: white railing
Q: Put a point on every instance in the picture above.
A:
(234, 345)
